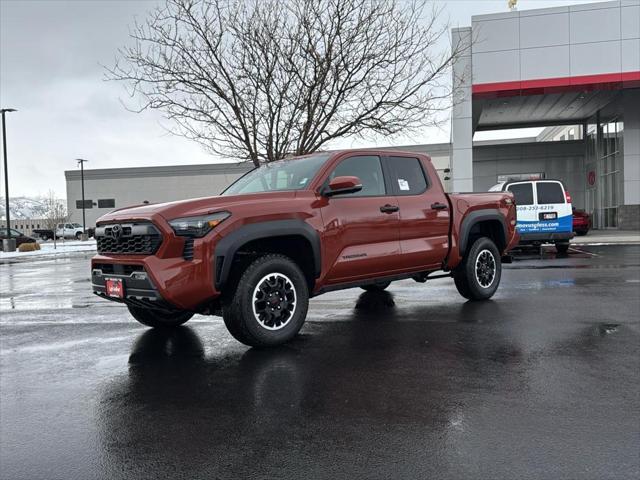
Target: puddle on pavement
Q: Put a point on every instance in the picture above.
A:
(549, 253)
(607, 328)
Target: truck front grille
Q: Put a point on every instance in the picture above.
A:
(128, 238)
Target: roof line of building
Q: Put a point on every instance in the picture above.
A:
(434, 150)
(160, 171)
(531, 12)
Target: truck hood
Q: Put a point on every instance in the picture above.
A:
(195, 206)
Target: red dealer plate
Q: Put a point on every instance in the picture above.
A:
(115, 287)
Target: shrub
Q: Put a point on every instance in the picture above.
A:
(29, 247)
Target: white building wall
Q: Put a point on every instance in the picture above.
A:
(461, 117)
(137, 189)
(590, 39)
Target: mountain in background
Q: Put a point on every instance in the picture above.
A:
(21, 208)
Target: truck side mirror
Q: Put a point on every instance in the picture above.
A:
(342, 185)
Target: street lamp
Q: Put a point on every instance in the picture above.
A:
(81, 162)
(6, 169)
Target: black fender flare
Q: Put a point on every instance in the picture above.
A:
(227, 247)
(478, 216)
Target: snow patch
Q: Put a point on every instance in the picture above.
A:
(47, 250)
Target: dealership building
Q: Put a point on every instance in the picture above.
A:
(573, 70)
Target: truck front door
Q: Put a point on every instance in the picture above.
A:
(361, 229)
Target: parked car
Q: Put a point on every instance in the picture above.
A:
(297, 228)
(69, 230)
(19, 236)
(544, 212)
(43, 233)
(581, 222)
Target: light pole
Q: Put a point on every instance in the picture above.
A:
(6, 172)
(81, 162)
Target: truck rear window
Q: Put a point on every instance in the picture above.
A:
(407, 176)
(523, 192)
(549, 192)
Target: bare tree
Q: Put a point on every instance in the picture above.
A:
(55, 212)
(262, 79)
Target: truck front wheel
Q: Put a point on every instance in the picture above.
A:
(478, 275)
(269, 304)
(159, 318)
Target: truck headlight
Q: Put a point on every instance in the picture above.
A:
(197, 226)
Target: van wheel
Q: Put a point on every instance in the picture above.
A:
(562, 247)
(478, 275)
(159, 318)
(376, 287)
(269, 304)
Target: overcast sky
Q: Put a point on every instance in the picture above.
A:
(51, 57)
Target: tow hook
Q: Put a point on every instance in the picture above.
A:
(507, 258)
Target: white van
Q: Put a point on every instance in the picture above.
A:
(544, 212)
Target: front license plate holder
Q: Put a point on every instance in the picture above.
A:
(114, 287)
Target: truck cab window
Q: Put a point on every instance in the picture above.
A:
(407, 176)
(368, 169)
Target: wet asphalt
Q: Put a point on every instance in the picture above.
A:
(543, 381)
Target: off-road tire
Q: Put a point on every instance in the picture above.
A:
(159, 318)
(376, 287)
(238, 308)
(562, 247)
(471, 271)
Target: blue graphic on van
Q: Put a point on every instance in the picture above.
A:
(561, 224)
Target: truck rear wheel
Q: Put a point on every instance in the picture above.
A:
(269, 304)
(478, 275)
(159, 318)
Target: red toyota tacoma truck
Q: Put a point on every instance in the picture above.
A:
(297, 228)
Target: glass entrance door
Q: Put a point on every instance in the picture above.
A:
(603, 165)
(610, 174)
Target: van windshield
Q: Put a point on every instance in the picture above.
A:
(523, 193)
(290, 174)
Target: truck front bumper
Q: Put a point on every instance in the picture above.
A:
(138, 287)
(151, 281)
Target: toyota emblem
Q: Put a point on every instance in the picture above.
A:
(115, 232)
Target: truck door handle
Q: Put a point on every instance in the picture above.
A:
(439, 206)
(389, 208)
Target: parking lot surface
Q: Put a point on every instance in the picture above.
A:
(543, 381)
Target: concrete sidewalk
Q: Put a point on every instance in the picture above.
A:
(608, 237)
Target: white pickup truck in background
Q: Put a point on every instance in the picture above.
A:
(69, 230)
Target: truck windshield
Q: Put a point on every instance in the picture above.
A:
(290, 174)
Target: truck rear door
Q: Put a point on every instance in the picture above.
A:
(424, 213)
